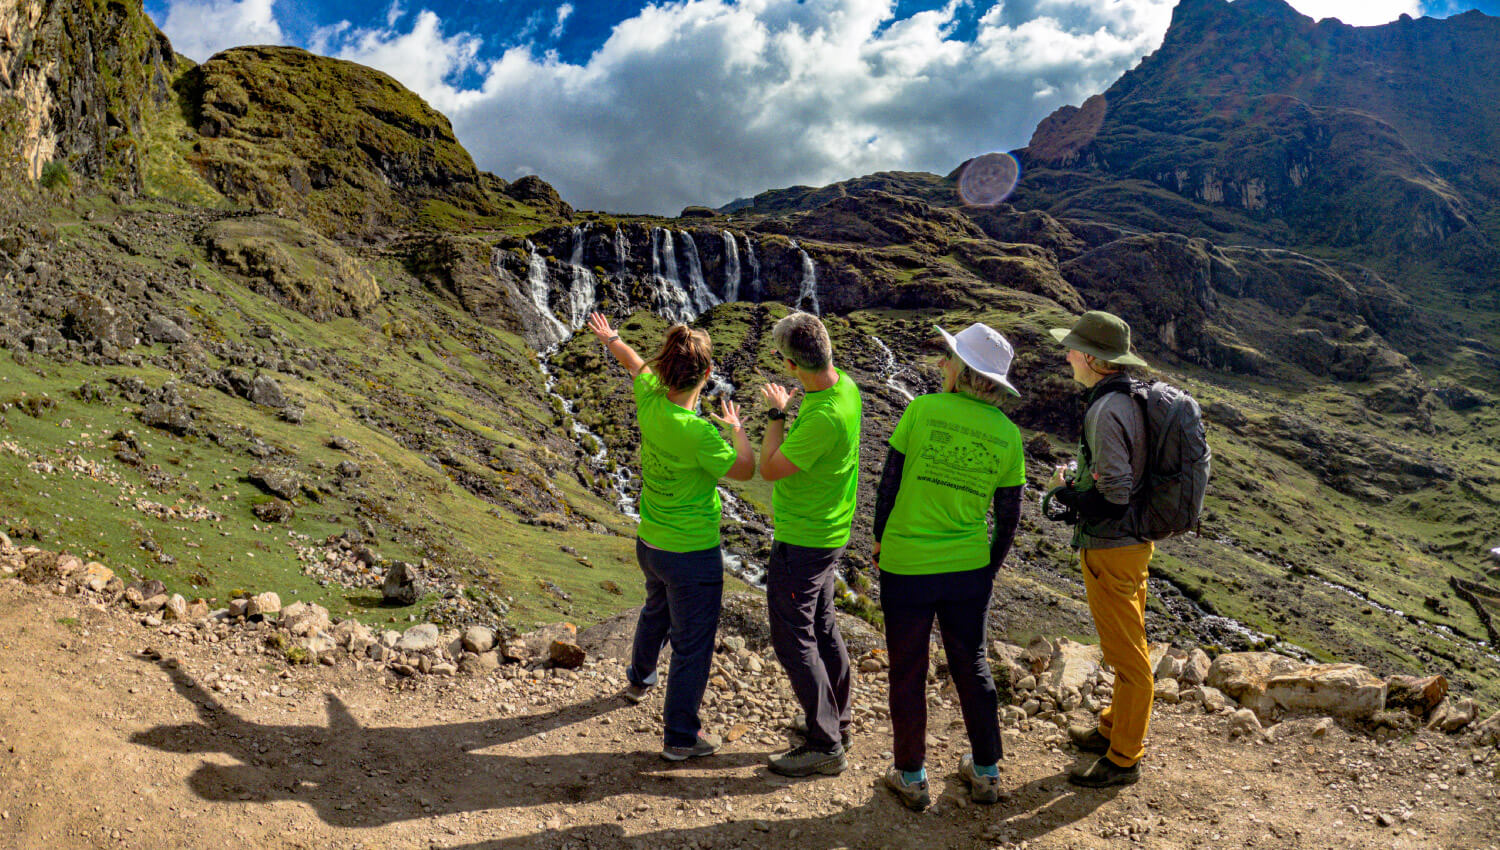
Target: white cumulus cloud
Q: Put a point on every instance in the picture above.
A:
(702, 101)
(200, 28)
(1359, 13)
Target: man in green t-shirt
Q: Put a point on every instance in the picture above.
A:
(815, 468)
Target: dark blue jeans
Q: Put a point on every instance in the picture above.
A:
(684, 592)
(805, 633)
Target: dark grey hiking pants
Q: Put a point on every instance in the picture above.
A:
(684, 592)
(805, 634)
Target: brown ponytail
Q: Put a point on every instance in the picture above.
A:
(684, 356)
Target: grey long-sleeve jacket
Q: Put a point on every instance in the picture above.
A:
(1114, 429)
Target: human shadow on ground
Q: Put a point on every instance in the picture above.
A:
(1032, 811)
(360, 776)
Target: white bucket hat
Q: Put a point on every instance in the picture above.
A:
(985, 350)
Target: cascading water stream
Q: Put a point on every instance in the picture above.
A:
(672, 302)
(536, 283)
(731, 267)
(808, 295)
(583, 291)
(754, 262)
(889, 369)
(622, 253)
(593, 445)
(699, 294)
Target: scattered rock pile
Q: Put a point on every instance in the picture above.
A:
(1043, 683)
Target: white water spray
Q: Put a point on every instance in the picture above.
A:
(809, 292)
(582, 293)
(889, 369)
(701, 296)
(593, 444)
(731, 267)
(754, 269)
(536, 282)
(672, 302)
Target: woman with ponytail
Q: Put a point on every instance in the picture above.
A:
(682, 459)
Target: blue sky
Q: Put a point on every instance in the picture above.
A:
(633, 107)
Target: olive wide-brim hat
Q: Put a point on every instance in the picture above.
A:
(1103, 335)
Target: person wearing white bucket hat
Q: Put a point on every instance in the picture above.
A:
(953, 457)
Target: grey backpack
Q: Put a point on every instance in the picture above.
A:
(1177, 462)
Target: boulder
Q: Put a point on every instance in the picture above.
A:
(478, 639)
(1339, 690)
(197, 610)
(1166, 691)
(277, 481)
(1213, 699)
(516, 651)
(162, 329)
(1072, 665)
(174, 418)
(1487, 733)
(403, 584)
(423, 637)
(94, 576)
(303, 619)
(539, 642)
(484, 662)
(1417, 694)
(263, 604)
(265, 390)
(155, 603)
(566, 654)
(41, 567)
(274, 510)
(175, 609)
(1038, 653)
(318, 642)
(1242, 676)
(1451, 717)
(239, 607)
(146, 589)
(89, 318)
(1195, 668)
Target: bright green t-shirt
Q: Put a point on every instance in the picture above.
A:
(683, 456)
(814, 506)
(959, 450)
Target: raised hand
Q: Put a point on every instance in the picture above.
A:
(599, 324)
(729, 413)
(775, 396)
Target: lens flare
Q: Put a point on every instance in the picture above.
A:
(989, 179)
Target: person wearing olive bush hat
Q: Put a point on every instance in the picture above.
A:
(953, 458)
(1111, 472)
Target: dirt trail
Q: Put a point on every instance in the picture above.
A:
(114, 735)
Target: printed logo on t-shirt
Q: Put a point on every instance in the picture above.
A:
(961, 457)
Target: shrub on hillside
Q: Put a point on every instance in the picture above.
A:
(55, 174)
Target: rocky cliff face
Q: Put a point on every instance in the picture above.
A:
(75, 78)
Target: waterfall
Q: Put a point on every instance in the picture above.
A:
(754, 269)
(809, 292)
(672, 302)
(582, 294)
(731, 267)
(889, 369)
(698, 291)
(622, 253)
(536, 280)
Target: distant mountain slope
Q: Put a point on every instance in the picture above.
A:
(1255, 123)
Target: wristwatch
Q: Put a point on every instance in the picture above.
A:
(775, 415)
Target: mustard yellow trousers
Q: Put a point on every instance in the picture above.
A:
(1116, 583)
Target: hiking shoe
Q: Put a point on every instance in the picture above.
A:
(1104, 773)
(982, 788)
(1089, 739)
(799, 725)
(707, 745)
(634, 693)
(913, 795)
(805, 761)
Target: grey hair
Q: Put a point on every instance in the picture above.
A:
(802, 339)
(971, 383)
